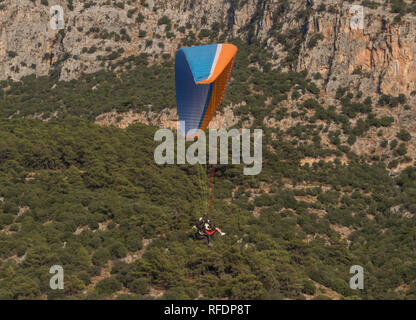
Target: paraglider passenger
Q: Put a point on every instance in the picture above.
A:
(207, 228)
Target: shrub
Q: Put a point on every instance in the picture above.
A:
(308, 287)
(101, 256)
(108, 286)
(11, 54)
(404, 135)
(118, 250)
(140, 286)
(401, 150)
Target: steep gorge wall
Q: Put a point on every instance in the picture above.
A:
(378, 59)
(25, 30)
(384, 51)
(382, 54)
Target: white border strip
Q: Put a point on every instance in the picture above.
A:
(217, 56)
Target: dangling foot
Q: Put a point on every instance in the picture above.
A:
(223, 234)
(210, 245)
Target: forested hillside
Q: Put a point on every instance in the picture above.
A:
(79, 186)
(91, 199)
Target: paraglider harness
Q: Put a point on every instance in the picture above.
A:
(201, 231)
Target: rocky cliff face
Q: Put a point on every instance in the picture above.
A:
(28, 44)
(378, 58)
(317, 36)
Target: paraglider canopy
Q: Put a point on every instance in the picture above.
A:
(201, 75)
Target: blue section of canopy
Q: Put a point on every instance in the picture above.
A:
(192, 99)
(200, 60)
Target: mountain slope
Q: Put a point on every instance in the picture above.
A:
(337, 188)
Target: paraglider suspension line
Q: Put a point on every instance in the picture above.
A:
(211, 186)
